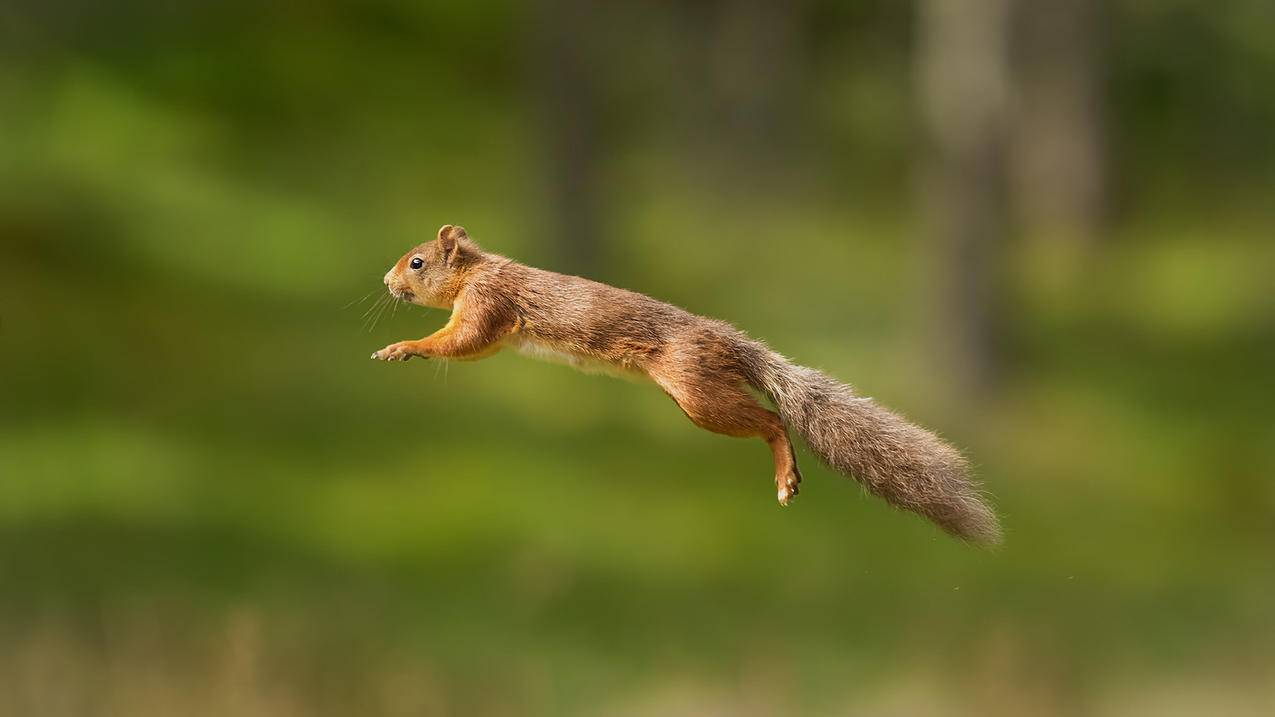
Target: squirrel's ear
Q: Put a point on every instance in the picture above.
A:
(449, 238)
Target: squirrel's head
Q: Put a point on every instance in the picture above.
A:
(432, 273)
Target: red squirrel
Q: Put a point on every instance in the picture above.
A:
(704, 365)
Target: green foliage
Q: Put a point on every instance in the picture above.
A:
(205, 484)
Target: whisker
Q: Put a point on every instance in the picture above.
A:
(370, 314)
(367, 312)
(388, 305)
(377, 319)
(372, 308)
(359, 300)
(370, 322)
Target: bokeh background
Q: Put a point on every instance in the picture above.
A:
(1042, 227)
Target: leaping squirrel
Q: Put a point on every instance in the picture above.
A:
(705, 365)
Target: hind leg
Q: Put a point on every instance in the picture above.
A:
(722, 406)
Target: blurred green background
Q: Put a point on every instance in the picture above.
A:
(1042, 227)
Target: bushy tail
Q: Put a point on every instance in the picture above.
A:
(903, 463)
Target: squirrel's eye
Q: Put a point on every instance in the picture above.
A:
(417, 262)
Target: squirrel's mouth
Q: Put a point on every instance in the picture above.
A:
(404, 295)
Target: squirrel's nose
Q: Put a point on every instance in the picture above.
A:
(389, 277)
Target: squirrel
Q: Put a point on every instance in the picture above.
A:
(704, 365)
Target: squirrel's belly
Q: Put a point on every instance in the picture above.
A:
(553, 353)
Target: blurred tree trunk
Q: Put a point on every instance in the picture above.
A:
(963, 81)
(1059, 173)
(754, 69)
(568, 89)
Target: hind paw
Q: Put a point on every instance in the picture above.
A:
(787, 487)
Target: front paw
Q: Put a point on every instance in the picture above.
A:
(400, 351)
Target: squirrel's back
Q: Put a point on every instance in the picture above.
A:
(585, 323)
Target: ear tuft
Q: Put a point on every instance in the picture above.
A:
(449, 238)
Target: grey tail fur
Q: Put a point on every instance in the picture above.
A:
(908, 466)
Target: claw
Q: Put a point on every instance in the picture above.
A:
(787, 490)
